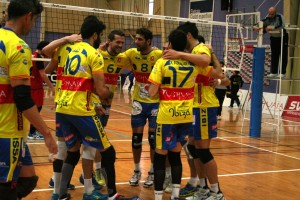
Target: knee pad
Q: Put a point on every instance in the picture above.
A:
(62, 150)
(174, 158)
(192, 150)
(137, 139)
(57, 165)
(159, 161)
(25, 185)
(151, 139)
(108, 156)
(7, 191)
(204, 155)
(88, 152)
(72, 158)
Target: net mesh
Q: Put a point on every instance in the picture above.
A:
(59, 20)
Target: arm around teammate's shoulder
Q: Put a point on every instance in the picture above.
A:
(201, 60)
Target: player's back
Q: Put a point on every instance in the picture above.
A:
(77, 80)
(176, 92)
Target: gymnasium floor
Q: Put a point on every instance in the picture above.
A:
(249, 168)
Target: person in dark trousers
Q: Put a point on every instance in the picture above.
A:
(236, 83)
(273, 24)
(220, 92)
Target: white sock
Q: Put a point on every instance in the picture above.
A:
(137, 167)
(56, 180)
(98, 165)
(202, 182)
(88, 186)
(193, 181)
(175, 191)
(214, 187)
(158, 195)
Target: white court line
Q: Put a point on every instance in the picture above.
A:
(125, 113)
(186, 178)
(281, 154)
(129, 140)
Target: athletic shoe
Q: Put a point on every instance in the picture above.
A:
(218, 117)
(70, 186)
(169, 188)
(134, 181)
(95, 183)
(100, 176)
(38, 136)
(187, 191)
(65, 197)
(230, 107)
(201, 193)
(216, 196)
(271, 75)
(30, 136)
(149, 180)
(95, 195)
(168, 184)
(120, 197)
(281, 76)
(54, 196)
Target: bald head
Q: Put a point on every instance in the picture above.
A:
(272, 12)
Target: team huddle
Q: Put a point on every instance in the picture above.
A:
(173, 92)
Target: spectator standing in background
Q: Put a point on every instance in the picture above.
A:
(236, 83)
(220, 92)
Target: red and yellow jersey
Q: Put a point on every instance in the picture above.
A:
(15, 63)
(112, 68)
(176, 79)
(60, 56)
(77, 85)
(207, 98)
(142, 66)
(204, 94)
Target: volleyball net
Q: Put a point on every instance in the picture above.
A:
(58, 20)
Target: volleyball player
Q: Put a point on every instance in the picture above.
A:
(16, 104)
(174, 80)
(144, 108)
(205, 112)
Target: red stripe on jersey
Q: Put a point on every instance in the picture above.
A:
(76, 84)
(141, 77)
(6, 94)
(169, 94)
(59, 72)
(203, 79)
(111, 79)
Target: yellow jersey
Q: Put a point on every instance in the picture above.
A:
(77, 86)
(15, 63)
(142, 66)
(112, 68)
(176, 79)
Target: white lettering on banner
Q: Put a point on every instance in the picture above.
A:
(292, 107)
(295, 105)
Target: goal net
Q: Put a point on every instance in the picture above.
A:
(59, 20)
